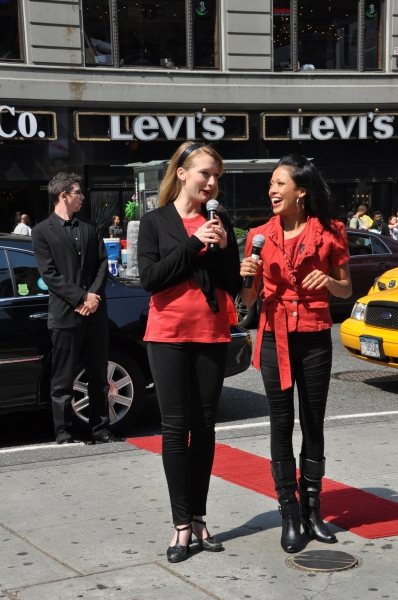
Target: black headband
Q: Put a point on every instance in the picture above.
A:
(187, 152)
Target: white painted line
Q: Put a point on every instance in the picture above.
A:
(267, 423)
(39, 447)
(376, 414)
(244, 426)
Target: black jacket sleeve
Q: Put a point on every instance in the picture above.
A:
(56, 282)
(158, 272)
(99, 284)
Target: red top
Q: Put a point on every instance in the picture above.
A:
(181, 314)
(286, 305)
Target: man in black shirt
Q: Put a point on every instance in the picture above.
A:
(73, 263)
(379, 223)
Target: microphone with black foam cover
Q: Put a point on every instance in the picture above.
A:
(211, 208)
(258, 243)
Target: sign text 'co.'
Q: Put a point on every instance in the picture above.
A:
(17, 124)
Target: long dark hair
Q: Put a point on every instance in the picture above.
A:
(318, 198)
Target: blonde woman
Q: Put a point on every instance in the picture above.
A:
(188, 329)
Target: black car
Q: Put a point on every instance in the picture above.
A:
(25, 344)
(371, 254)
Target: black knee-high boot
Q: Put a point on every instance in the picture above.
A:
(284, 474)
(310, 486)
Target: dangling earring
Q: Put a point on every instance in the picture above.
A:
(297, 204)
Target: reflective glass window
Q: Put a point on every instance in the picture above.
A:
(205, 34)
(379, 247)
(6, 290)
(328, 34)
(359, 244)
(26, 273)
(97, 32)
(152, 33)
(372, 36)
(10, 30)
(281, 22)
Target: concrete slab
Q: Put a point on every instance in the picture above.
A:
(144, 582)
(22, 565)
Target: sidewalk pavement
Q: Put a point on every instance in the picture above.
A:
(94, 523)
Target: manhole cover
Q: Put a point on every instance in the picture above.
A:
(368, 376)
(323, 560)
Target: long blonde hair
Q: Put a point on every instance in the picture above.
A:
(171, 185)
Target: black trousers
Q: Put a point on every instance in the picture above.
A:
(311, 362)
(188, 379)
(87, 344)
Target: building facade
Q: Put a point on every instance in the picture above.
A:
(109, 88)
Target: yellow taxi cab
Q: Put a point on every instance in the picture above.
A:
(371, 333)
(387, 281)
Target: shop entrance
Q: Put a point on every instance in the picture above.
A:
(32, 201)
(376, 195)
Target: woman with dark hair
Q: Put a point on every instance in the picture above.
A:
(115, 230)
(304, 259)
(188, 329)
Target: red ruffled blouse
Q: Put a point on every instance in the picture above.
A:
(287, 306)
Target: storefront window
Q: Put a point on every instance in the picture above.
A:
(138, 33)
(281, 20)
(328, 35)
(337, 35)
(97, 32)
(205, 34)
(10, 30)
(372, 36)
(152, 34)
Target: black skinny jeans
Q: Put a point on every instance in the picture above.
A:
(188, 379)
(311, 362)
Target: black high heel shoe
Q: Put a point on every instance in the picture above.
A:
(210, 544)
(178, 553)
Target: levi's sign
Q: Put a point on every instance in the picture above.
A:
(312, 126)
(144, 127)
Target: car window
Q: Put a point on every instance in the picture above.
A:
(26, 273)
(6, 290)
(379, 247)
(359, 244)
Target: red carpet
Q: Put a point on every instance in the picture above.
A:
(364, 514)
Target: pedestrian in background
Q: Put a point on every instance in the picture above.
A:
(23, 228)
(350, 214)
(356, 221)
(366, 219)
(188, 329)
(304, 259)
(379, 224)
(73, 263)
(115, 230)
(393, 226)
(16, 220)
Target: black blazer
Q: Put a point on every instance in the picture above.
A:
(167, 256)
(68, 275)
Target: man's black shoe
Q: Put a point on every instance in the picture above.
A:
(66, 441)
(105, 437)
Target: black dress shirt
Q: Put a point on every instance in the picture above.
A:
(73, 230)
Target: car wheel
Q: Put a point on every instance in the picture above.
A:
(126, 392)
(245, 314)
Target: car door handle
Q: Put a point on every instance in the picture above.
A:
(38, 316)
(382, 265)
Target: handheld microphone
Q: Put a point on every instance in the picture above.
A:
(211, 208)
(258, 243)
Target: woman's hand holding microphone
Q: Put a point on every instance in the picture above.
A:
(212, 232)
